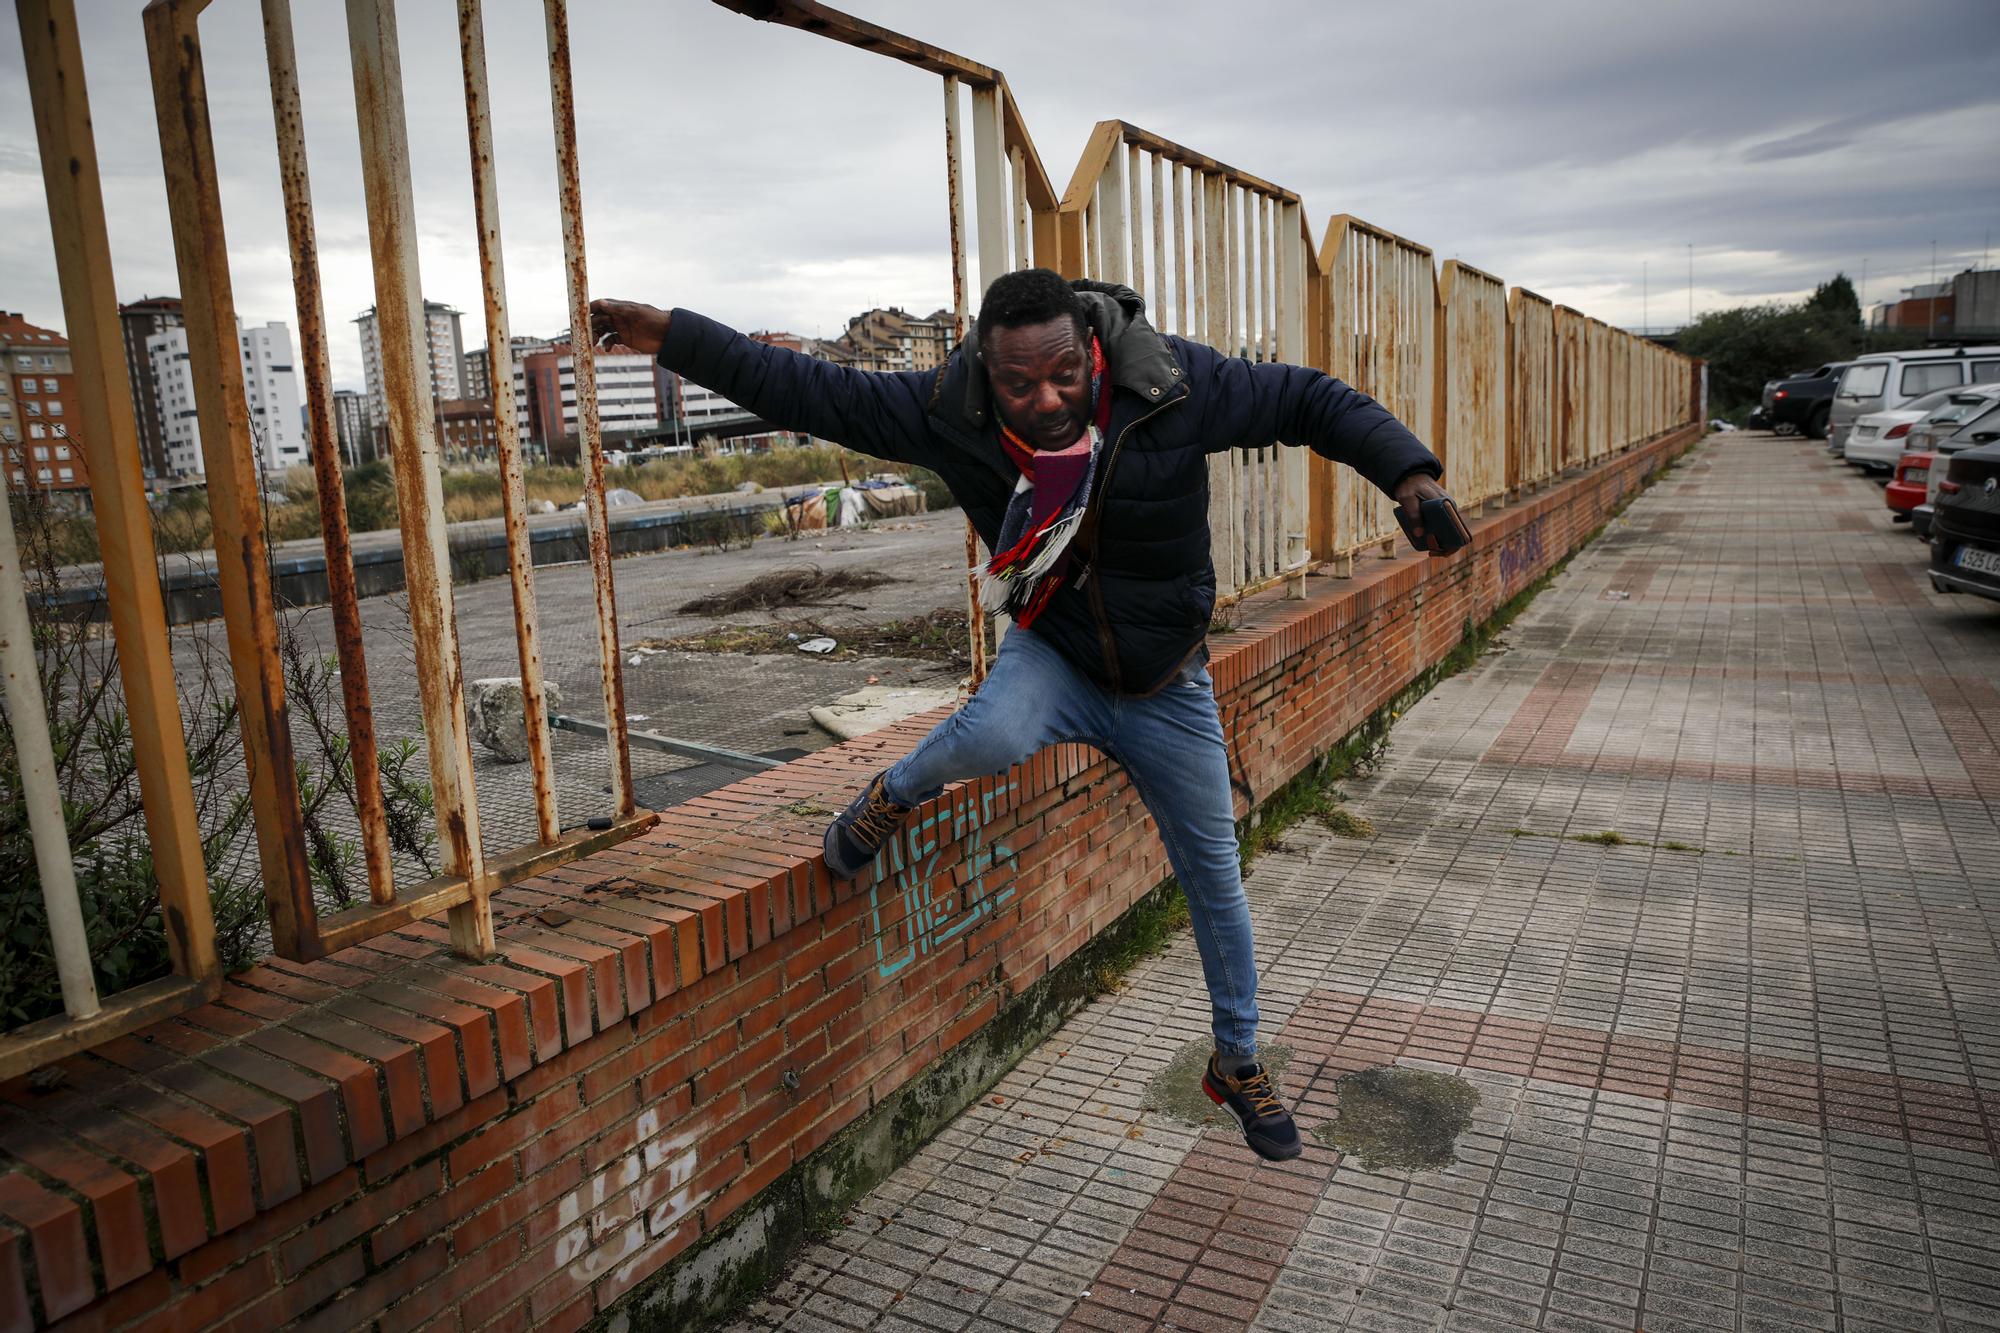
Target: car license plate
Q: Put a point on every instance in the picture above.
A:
(1912, 476)
(1973, 557)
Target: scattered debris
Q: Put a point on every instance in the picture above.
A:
(818, 646)
(800, 585)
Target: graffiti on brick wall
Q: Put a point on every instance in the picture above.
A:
(632, 1210)
(1520, 557)
(938, 908)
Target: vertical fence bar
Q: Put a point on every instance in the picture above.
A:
(955, 198)
(506, 426)
(1023, 253)
(194, 204)
(989, 184)
(392, 233)
(343, 597)
(583, 362)
(1250, 462)
(1159, 301)
(1202, 327)
(1113, 219)
(1134, 218)
(21, 691)
(110, 446)
(1181, 272)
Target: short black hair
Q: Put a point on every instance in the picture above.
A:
(1029, 296)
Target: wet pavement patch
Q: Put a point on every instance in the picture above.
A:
(1400, 1119)
(1176, 1090)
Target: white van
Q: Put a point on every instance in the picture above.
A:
(1884, 381)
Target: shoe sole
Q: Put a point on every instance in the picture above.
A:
(1272, 1153)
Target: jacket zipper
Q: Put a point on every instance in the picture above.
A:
(1104, 636)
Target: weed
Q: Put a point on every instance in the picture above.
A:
(1608, 838)
(1346, 824)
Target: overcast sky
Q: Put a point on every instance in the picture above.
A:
(778, 180)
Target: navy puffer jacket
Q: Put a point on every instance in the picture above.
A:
(1137, 608)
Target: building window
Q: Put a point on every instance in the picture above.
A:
(33, 409)
(31, 386)
(62, 452)
(41, 453)
(24, 361)
(59, 430)
(35, 431)
(55, 407)
(6, 409)
(42, 474)
(48, 362)
(66, 474)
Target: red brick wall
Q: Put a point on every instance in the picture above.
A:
(394, 1135)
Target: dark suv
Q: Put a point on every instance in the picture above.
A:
(1965, 525)
(1804, 401)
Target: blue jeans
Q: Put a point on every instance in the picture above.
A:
(1170, 743)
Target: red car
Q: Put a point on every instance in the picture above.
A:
(1907, 487)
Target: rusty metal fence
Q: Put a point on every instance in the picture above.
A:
(1511, 390)
(298, 928)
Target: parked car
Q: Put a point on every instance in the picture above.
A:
(1885, 381)
(1965, 524)
(1963, 416)
(1803, 401)
(1968, 434)
(1909, 487)
(1879, 438)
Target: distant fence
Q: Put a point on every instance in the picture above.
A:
(1509, 390)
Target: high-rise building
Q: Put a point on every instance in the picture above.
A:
(270, 390)
(444, 351)
(350, 426)
(37, 407)
(139, 321)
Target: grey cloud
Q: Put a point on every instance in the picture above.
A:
(777, 179)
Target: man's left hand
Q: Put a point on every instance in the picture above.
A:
(1412, 491)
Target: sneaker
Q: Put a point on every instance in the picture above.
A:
(863, 828)
(1249, 1096)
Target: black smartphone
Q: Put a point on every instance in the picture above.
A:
(1444, 530)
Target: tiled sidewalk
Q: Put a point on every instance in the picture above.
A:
(1741, 1070)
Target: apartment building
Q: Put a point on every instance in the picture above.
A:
(270, 391)
(633, 395)
(37, 409)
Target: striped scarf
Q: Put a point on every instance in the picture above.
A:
(1045, 511)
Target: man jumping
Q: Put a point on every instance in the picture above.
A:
(1076, 437)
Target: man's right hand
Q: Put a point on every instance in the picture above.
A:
(639, 326)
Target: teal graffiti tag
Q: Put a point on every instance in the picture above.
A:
(934, 913)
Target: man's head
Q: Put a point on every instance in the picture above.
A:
(1035, 340)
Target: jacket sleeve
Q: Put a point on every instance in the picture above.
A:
(1251, 403)
(877, 413)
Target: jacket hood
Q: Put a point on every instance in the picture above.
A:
(1139, 356)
